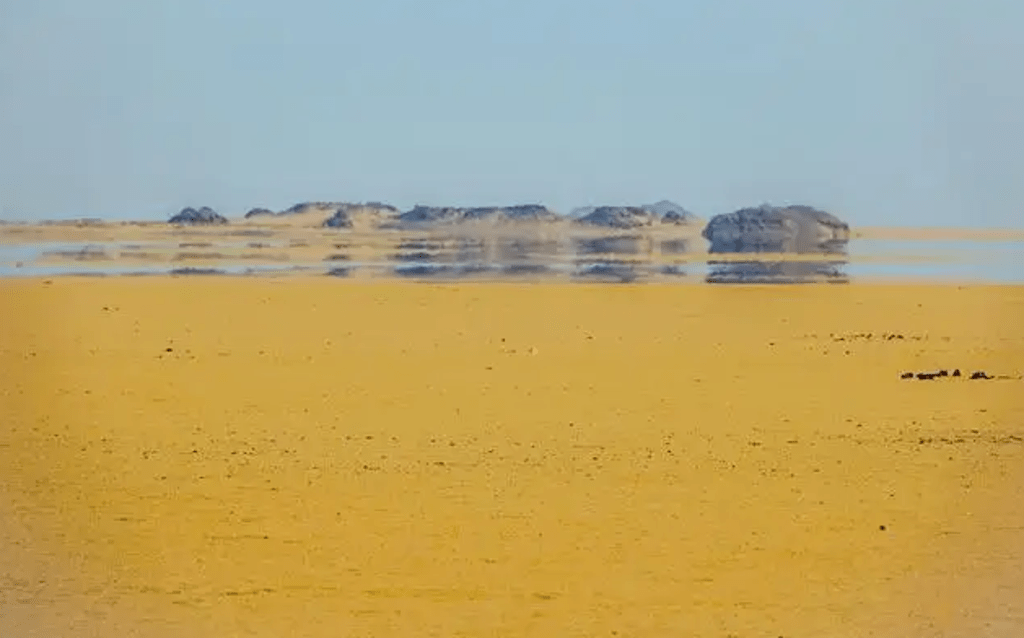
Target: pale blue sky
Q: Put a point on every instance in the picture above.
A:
(884, 111)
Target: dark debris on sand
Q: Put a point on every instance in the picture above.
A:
(939, 374)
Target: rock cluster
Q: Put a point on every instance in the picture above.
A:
(371, 214)
(679, 219)
(421, 215)
(765, 228)
(621, 217)
(303, 208)
(671, 212)
(204, 215)
(626, 217)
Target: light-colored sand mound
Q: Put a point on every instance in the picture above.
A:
(227, 457)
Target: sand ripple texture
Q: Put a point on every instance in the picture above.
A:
(245, 457)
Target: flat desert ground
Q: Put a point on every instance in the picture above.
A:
(314, 457)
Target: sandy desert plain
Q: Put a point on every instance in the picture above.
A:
(312, 456)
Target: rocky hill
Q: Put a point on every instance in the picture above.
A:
(768, 228)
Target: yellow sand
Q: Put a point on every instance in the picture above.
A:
(245, 457)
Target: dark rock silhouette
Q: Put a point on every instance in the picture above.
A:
(788, 229)
(340, 219)
(338, 214)
(621, 217)
(665, 211)
(435, 215)
(259, 212)
(679, 219)
(671, 213)
(432, 214)
(581, 212)
(312, 207)
(521, 213)
(204, 215)
(372, 214)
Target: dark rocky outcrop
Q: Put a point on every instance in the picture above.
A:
(671, 213)
(259, 212)
(624, 217)
(312, 207)
(204, 215)
(521, 213)
(340, 219)
(679, 219)
(434, 215)
(767, 228)
(665, 211)
(621, 217)
(370, 214)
